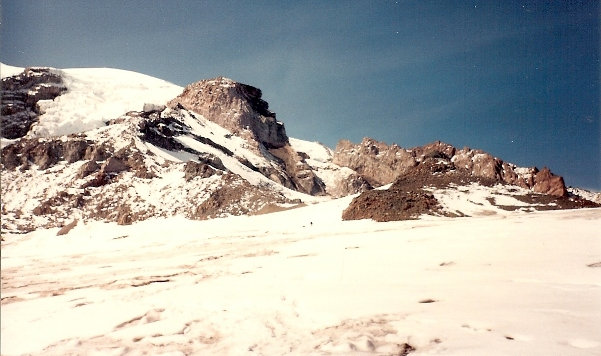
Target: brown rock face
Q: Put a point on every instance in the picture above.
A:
(113, 165)
(407, 199)
(68, 227)
(548, 183)
(381, 164)
(235, 106)
(87, 168)
(20, 95)
(375, 161)
(300, 173)
(44, 153)
(240, 109)
(47, 152)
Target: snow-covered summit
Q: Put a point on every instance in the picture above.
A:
(94, 96)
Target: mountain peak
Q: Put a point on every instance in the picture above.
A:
(222, 81)
(236, 106)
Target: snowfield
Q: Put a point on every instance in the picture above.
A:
(302, 281)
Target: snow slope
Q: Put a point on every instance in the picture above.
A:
(95, 95)
(9, 71)
(304, 282)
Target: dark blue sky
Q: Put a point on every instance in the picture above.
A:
(519, 79)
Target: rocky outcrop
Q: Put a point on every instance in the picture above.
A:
(382, 164)
(20, 96)
(87, 168)
(235, 106)
(194, 169)
(161, 129)
(113, 174)
(113, 165)
(547, 183)
(377, 162)
(240, 109)
(482, 164)
(410, 196)
(45, 153)
(232, 190)
(301, 175)
(405, 199)
(168, 161)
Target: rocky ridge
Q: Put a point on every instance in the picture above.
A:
(438, 170)
(381, 164)
(217, 150)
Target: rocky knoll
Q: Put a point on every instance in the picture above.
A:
(235, 106)
(240, 109)
(20, 96)
(381, 164)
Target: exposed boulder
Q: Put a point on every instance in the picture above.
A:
(136, 162)
(125, 215)
(87, 168)
(193, 169)
(235, 106)
(113, 165)
(20, 96)
(211, 160)
(66, 228)
(97, 152)
(75, 149)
